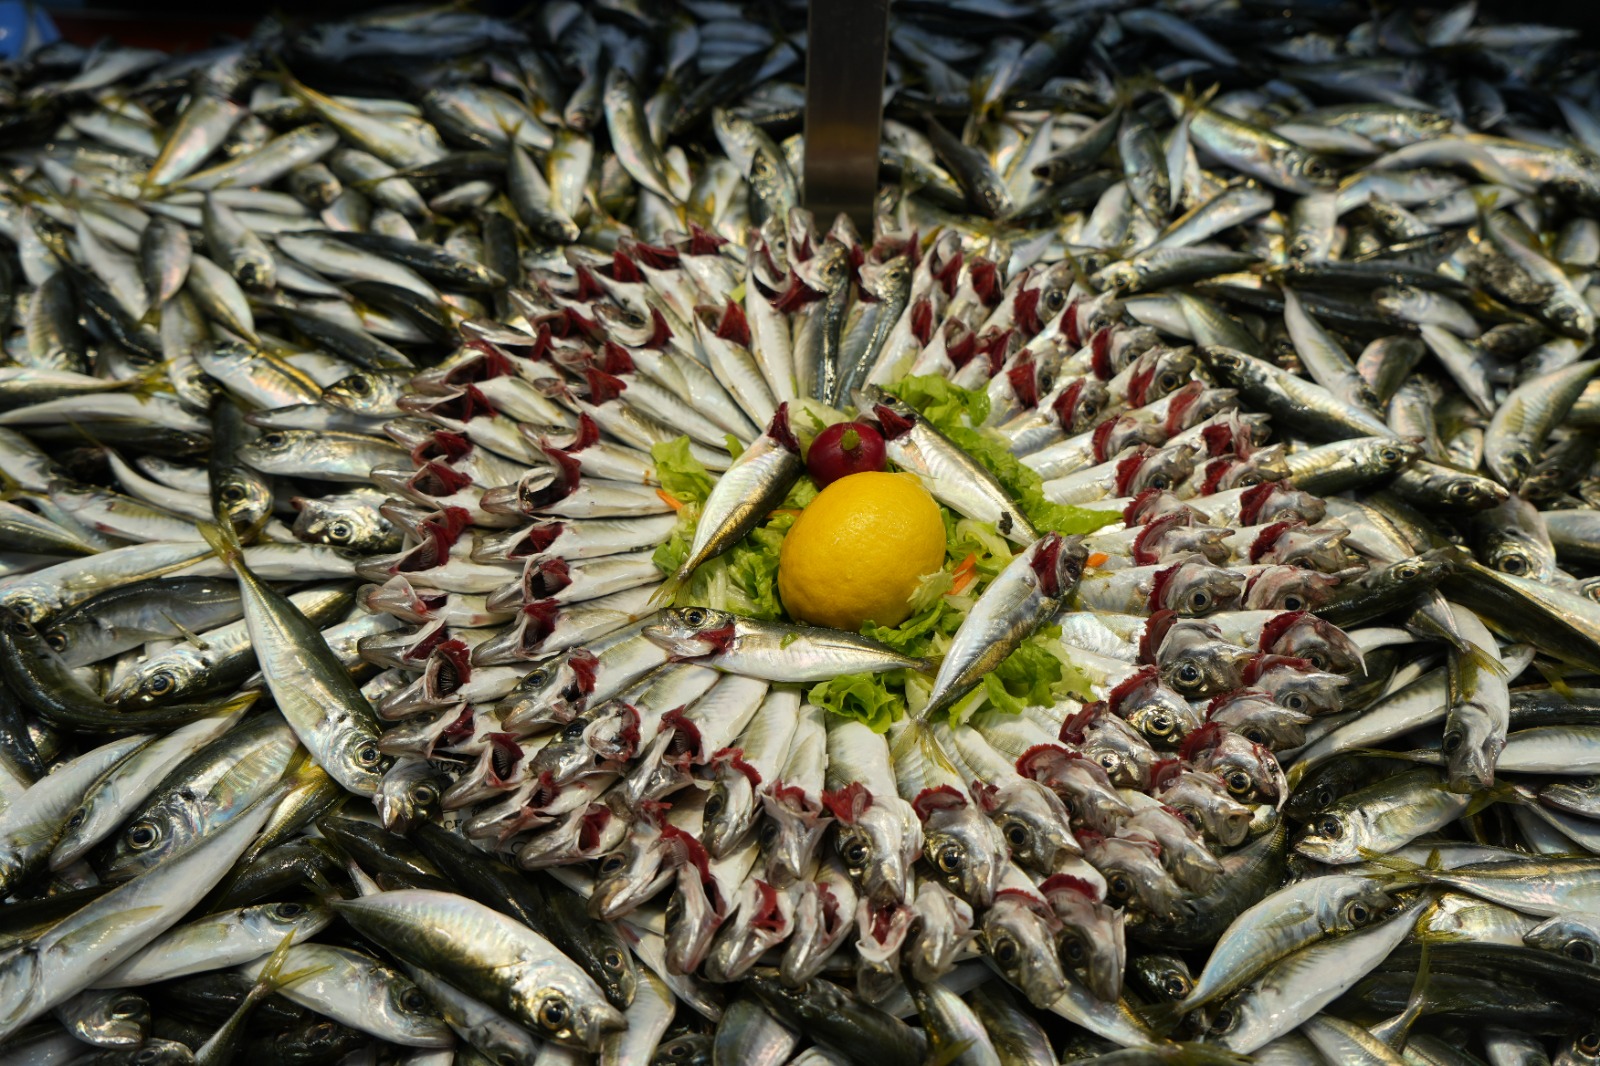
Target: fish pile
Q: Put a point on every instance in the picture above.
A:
(396, 472)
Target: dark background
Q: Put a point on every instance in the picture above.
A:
(194, 23)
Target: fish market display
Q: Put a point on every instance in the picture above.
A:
(487, 576)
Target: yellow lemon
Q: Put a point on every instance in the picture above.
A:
(857, 553)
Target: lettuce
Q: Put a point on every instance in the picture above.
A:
(954, 412)
(867, 698)
(682, 476)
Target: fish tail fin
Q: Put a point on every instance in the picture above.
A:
(1401, 872)
(224, 541)
(273, 976)
(1161, 1018)
(668, 592)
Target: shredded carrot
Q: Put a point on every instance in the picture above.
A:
(964, 574)
(671, 501)
(1096, 559)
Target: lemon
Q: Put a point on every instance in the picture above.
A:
(858, 552)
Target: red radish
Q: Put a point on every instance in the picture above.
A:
(844, 448)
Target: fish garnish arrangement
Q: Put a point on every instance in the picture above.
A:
(427, 442)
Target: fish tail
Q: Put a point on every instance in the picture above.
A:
(224, 541)
(668, 592)
(1161, 1018)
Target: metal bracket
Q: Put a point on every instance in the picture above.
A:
(847, 52)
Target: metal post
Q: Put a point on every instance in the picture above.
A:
(846, 53)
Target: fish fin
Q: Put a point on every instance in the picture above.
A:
(1418, 1001)
(271, 978)
(224, 541)
(1161, 1018)
(1498, 793)
(1555, 675)
(668, 592)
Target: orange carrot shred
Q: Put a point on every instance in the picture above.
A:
(1096, 559)
(671, 501)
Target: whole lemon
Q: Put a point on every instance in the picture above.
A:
(858, 552)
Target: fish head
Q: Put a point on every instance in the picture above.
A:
(1355, 903)
(1032, 821)
(1196, 588)
(345, 522)
(961, 845)
(567, 1014)
(1581, 1046)
(941, 927)
(410, 794)
(1303, 635)
(554, 691)
(1254, 716)
(1335, 836)
(409, 1010)
(274, 921)
(154, 834)
(1278, 587)
(692, 632)
(1203, 801)
(1576, 795)
(1472, 743)
(364, 392)
(163, 680)
(1573, 935)
(1135, 878)
(791, 831)
(694, 912)
(731, 802)
(1020, 941)
(112, 1019)
(1294, 685)
(879, 845)
(1090, 942)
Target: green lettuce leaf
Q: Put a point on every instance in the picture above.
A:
(868, 698)
(681, 475)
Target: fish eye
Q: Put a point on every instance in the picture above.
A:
(127, 1007)
(1110, 761)
(1452, 740)
(1358, 913)
(1407, 571)
(1330, 827)
(694, 617)
(1161, 481)
(1054, 300)
(1175, 987)
(611, 864)
(714, 804)
(1223, 1020)
(951, 858)
(413, 1000)
(505, 1058)
(357, 384)
(1389, 455)
(274, 440)
(1016, 834)
(147, 1055)
(142, 835)
(1581, 950)
(1119, 886)
(368, 755)
(536, 678)
(1249, 479)
(1514, 564)
(854, 853)
(1004, 951)
(56, 639)
(1461, 490)
(769, 833)
(1188, 673)
(1324, 796)
(1294, 701)
(340, 531)
(291, 910)
(232, 493)
(1589, 1043)
(1160, 725)
(1089, 408)
(1199, 599)
(1255, 736)
(76, 819)
(1238, 783)
(553, 1014)
(424, 794)
(1072, 948)
(612, 959)
(159, 683)
(1317, 659)
(574, 729)
(1169, 381)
